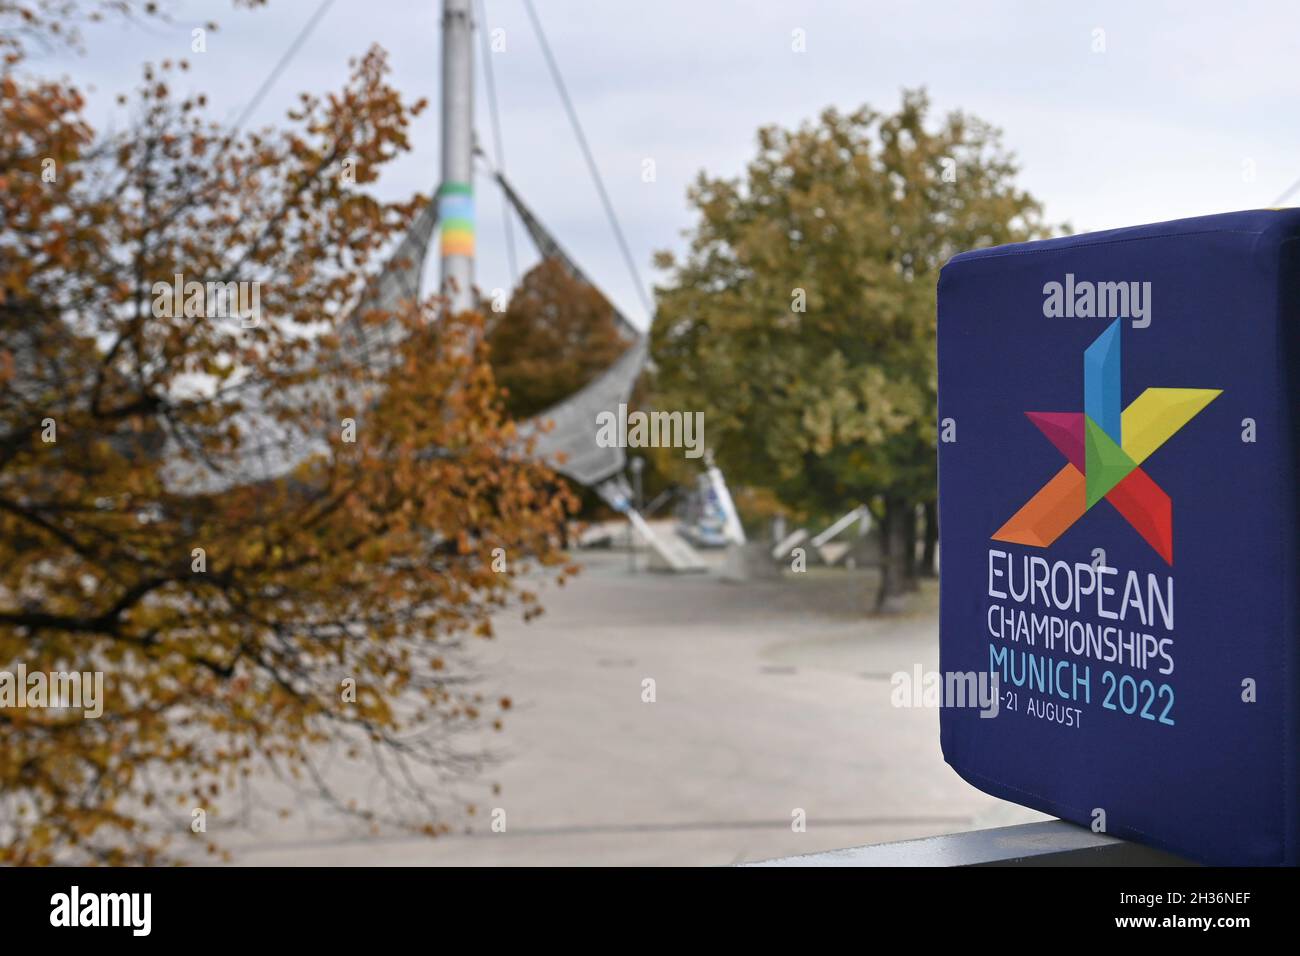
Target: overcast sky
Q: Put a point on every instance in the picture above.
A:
(1189, 110)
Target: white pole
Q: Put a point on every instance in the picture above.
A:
(456, 194)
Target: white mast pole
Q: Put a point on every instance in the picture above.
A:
(456, 194)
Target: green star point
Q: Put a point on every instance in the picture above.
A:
(1106, 462)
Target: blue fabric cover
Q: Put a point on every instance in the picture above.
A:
(1169, 746)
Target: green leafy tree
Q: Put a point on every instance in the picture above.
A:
(802, 317)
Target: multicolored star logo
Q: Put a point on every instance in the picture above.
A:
(1104, 448)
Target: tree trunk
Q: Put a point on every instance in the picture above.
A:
(892, 582)
(907, 544)
(929, 568)
(886, 557)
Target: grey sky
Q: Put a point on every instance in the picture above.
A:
(1186, 112)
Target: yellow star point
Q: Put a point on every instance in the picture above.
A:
(1156, 414)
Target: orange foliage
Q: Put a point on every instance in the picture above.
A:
(367, 563)
(556, 335)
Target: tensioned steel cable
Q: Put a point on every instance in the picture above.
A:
(498, 142)
(1286, 195)
(586, 152)
(274, 75)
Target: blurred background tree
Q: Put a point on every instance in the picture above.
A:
(802, 317)
(556, 335)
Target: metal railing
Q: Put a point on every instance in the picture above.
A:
(1048, 843)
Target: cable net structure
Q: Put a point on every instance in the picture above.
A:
(269, 448)
(564, 436)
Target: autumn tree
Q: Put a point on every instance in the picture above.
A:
(267, 540)
(802, 317)
(556, 335)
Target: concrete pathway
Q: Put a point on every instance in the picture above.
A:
(771, 698)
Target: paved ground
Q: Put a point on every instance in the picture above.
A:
(770, 697)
